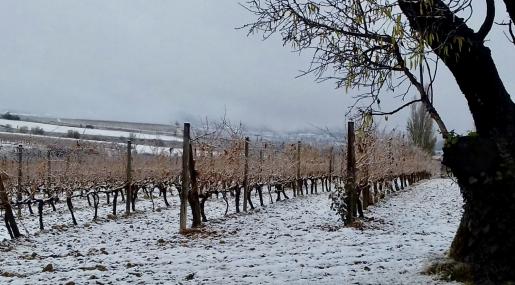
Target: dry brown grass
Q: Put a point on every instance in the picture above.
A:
(450, 270)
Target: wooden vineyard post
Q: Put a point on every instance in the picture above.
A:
(299, 182)
(330, 176)
(49, 171)
(20, 175)
(185, 177)
(193, 194)
(67, 167)
(365, 185)
(351, 174)
(129, 178)
(173, 158)
(211, 159)
(260, 186)
(342, 164)
(246, 176)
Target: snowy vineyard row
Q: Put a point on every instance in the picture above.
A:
(101, 203)
(229, 166)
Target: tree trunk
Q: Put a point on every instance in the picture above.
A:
(486, 235)
(484, 164)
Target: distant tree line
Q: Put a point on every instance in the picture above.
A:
(9, 116)
(73, 134)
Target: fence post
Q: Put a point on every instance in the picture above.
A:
(49, 171)
(20, 176)
(246, 176)
(299, 183)
(193, 194)
(129, 178)
(172, 160)
(185, 176)
(67, 167)
(260, 180)
(211, 158)
(330, 168)
(351, 173)
(261, 158)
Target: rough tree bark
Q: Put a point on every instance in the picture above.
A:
(484, 164)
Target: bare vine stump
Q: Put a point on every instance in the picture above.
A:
(40, 214)
(96, 201)
(10, 221)
(134, 195)
(237, 199)
(224, 196)
(250, 201)
(51, 201)
(202, 208)
(396, 183)
(366, 195)
(115, 200)
(269, 187)
(70, 208)
(30, 208)
(163, 191)
(260, 193)
(278, 193)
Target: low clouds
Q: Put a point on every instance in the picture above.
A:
(162, 61)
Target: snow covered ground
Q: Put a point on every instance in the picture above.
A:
(85, 131)
(139, 148)
(297, 241)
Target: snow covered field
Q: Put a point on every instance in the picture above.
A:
(139, 148)
(297, 241)
(85, 131)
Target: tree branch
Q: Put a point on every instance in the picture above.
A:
(396, 110)
(423, 94)
(510, 8)
(311, 23)
(489, 20)
(510, 30)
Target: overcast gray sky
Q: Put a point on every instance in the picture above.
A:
(162, 61)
